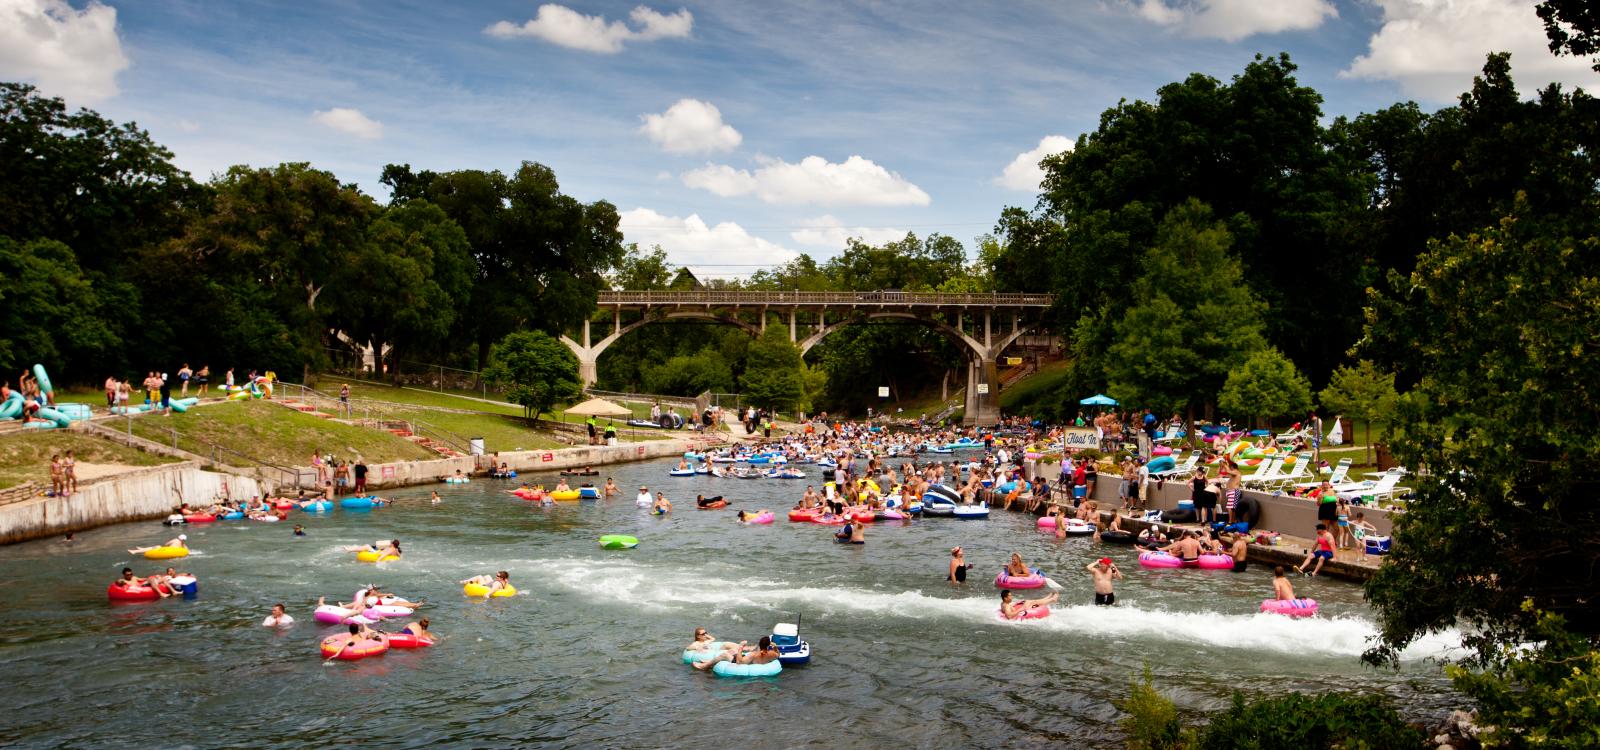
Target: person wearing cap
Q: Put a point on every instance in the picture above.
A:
(958, 566)
(643, 498)
(1104, 571)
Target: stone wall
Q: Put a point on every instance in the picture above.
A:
(400, 474)
(133, 496)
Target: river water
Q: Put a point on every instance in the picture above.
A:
(588, 654)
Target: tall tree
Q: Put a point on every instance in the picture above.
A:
(293, 231)
(541, 255)
(415, 273)
(1193, 318)
(773, 376)
(1266, 385)
(1573, 27)
(50, 312)
(1502, 325)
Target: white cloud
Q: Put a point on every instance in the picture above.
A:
(73, 54)
(349, 121)
(1433, 48)
(1024, 172)
(1232, 20)
(558, 24)
(188, 126)
(855, 181)
(827, 231)
(691, 126)
(709, 250)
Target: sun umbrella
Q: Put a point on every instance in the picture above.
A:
(1099, 399)
(599, 407)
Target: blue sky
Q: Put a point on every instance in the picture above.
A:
(731, 133)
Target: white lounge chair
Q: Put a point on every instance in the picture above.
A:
(1300, 470)
(1266, 472)
(1340, 471)
(1383, 486)
(1183, 469)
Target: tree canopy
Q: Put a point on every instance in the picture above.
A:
(536, 370)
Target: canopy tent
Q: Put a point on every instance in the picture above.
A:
(1099, 399)
(599, 407)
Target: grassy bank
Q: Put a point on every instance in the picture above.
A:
(25, 456)
(268, 432)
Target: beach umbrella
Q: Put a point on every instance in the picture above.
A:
(1099, 399)
(599, 407)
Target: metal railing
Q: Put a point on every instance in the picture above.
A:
(923, 299)
(641, 398)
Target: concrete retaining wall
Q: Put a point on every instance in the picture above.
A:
(135, 496)
(405, 473)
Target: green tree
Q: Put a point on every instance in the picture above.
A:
(415, 274)
(1502, 325)
(1361, 391)
(291, 230)
(542, 255)
(773, 377)
(1545, 694)
(1573, 27)
(536, 370)
(689, 375)
(1172, 356)
(49, 311)
(1266, 385)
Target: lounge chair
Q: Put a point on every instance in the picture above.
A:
(1340, 471)
(1180, 470)
(1266, 472)
(1383, 486)
(1300, 470)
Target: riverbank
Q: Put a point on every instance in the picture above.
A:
(137, 495)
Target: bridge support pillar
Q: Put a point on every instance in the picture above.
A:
(588, 370)
(983, 392)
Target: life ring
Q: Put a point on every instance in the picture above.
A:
(131, 593)
(199, 517)
(479, 590)
(388, 610)
(1290, 607)
(1159, 559)
(1007, 581)
(730, 669)
(761, 518)
(407, 640)
(563, 495)
(333, 615)
(356, 503)
(165, 553)
(618, 541)
(1035, 613)
(799, 515)
(372, 556)
(333, 647)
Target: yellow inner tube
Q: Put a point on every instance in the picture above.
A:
(480, 590)
(166, 553)
(372, 556)
(564, 495)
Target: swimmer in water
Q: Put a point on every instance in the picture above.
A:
(702, 641)
(746, 517)
(501, 580)
(435, 499)
(299, 530)
(764, 653)
(1104, 571)
(419, 629)
(1281, 588)
(278, 619)
(662, 505)
(1017, 567)
(958, 566)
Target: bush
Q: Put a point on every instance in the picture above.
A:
(1152, 721)
(1309, 722)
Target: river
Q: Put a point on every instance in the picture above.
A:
(588, 654)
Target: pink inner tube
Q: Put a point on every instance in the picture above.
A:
(1161, 450)
(1037, 613)
(1047, 522)
(1159, 560)
(762, 518)
(332, 615)
(1030, 581)
(407, 640)
(387, 610)
(1215, 562)
(891, 515)
(1290, 607)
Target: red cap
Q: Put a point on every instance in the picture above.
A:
(1105, 561)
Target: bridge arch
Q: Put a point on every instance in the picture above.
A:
(589, 353)
(972, 346)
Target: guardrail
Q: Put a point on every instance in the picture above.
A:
(923, 299)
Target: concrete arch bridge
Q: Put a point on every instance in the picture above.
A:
(983, 325)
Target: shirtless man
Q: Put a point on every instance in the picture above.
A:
(611, 489)
(278, 618)
(662, 505)
(1281, 589)
(1187, 548)
(419, 629)
(1015, 610)
(1240, 551)
(1104, 571)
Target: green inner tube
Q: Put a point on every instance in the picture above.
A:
(618, 541)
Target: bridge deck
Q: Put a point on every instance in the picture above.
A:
(824, 299)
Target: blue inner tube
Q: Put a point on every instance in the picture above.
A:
(729, 669)
(233, 516)
(690, 657)
(356, 503)
(318, 506)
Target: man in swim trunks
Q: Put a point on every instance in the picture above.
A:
(1240, 551)
(1187, 548)
(1015, 610)
(611, 488)
(419, 629)
(1321, 550)
(662, 505)
(1104, 571)
(1281, 590)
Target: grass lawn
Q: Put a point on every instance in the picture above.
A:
(276, 435)
(499, 426)
(1029, 393)
(500, 432)
(26, 455)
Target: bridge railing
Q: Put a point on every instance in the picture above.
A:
(927, 299)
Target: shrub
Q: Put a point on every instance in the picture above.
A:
(1152, 721)
(1309, 722)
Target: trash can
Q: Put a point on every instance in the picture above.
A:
(1385, 460)
(475, 446)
